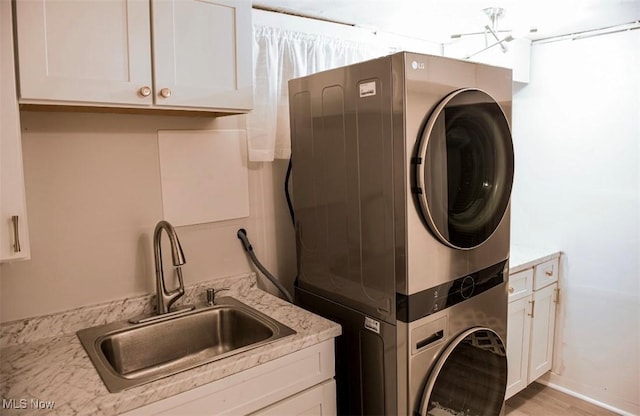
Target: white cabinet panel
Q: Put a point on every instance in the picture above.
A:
(317, 401)
(518, 336)
(542, 331)
(545, 274)
(200, 53)
(520, 284)
(14, 242)
(94, 52)
(253, 389)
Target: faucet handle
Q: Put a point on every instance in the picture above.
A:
(211, 294)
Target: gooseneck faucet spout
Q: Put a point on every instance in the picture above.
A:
(165, 298)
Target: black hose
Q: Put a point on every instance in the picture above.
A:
(242, 235)
(286, 192)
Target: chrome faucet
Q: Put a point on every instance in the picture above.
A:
(165, 298)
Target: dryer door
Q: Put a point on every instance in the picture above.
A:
(464, 168)
(469, 378)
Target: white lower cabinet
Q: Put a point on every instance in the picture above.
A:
(300, 383)
(533, 295)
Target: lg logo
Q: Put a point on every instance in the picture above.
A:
(417, 65)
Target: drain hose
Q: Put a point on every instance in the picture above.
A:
(242, 236)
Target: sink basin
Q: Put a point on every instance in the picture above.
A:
(127, 355)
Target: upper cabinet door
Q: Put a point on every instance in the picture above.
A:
(202, 53)
(84, 52)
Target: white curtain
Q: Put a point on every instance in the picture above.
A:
(280, 55)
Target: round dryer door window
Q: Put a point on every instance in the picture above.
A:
(464, 168)
(469, 378)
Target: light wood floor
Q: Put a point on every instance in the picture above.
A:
(539, 400)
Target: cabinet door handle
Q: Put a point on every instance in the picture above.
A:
(511, 289)
(16, 234)
(549, 272)
(145, 91)
(165, 93)
(533, 304)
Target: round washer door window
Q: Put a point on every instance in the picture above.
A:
(469, 378)
(464, 169)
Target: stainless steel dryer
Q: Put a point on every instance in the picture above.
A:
(402, 174)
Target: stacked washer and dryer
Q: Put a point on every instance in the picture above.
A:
(402, 175)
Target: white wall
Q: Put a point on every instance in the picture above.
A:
(576, 130)
(93, 199)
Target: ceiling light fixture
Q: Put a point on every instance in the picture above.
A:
(495, 35)
(500, 42)
(494, 14)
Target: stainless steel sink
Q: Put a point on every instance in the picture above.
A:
(127, 355)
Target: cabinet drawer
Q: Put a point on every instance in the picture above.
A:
(545, 274)
(520, 284)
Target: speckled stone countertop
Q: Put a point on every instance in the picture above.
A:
(522, 258)
(45, 370)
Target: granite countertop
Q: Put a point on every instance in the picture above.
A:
(43, 366)
(522, 258)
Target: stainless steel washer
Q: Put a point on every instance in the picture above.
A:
(453, 361)
(402, 175)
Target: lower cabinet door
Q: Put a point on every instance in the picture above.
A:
(542, 331)
(258, 388)
(518, 336)
(316, 401)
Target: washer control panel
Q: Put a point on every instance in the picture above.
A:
(427, 302)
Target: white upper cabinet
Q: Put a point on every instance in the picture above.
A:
(84, 52)
(170, 54)
(14, 235)
(202, 53)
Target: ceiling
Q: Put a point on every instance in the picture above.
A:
(438, 20)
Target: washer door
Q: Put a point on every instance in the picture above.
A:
(469, 378)
(464, 168)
